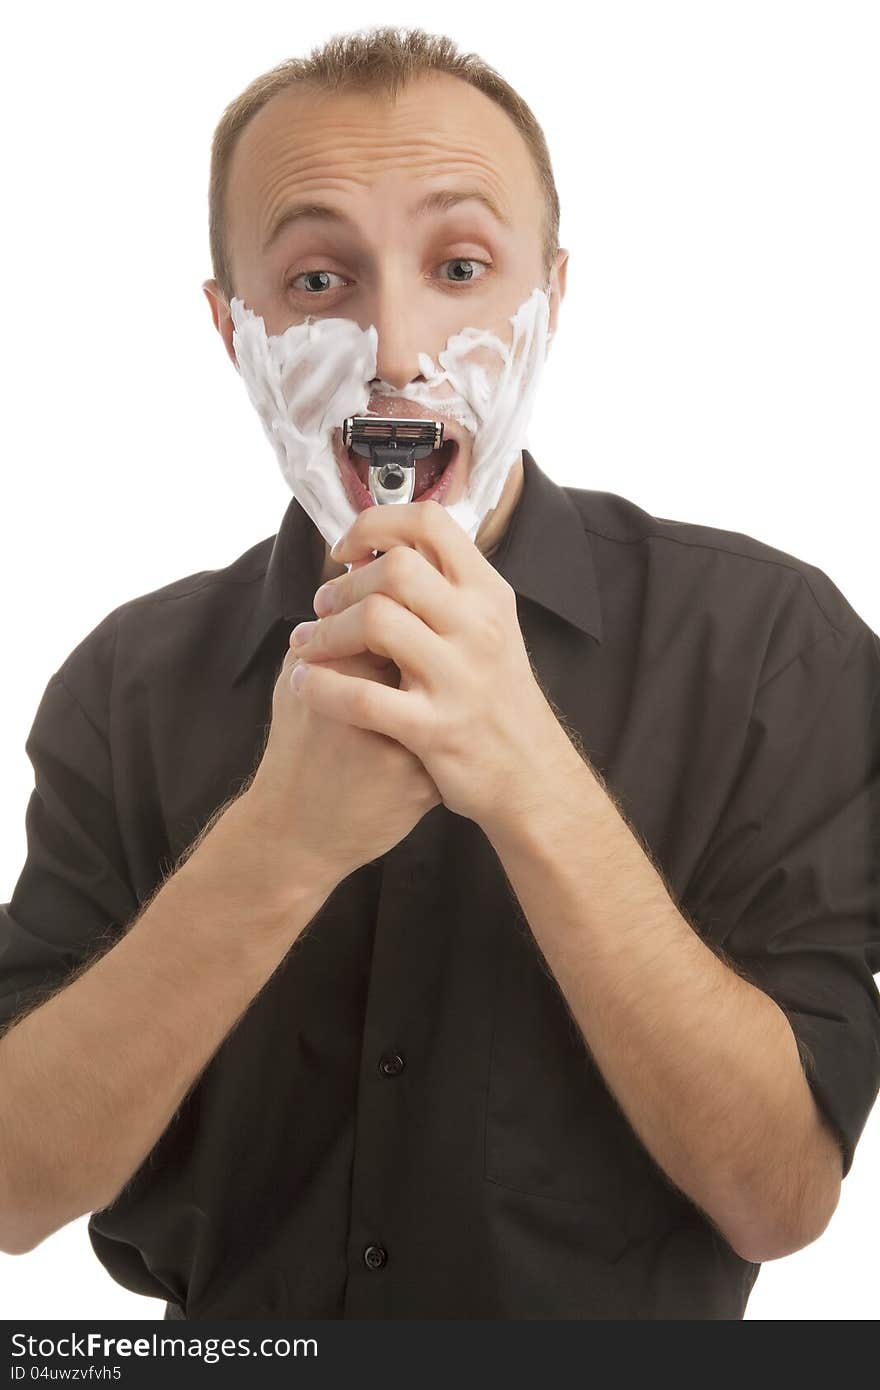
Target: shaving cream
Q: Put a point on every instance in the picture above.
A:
(304, 382)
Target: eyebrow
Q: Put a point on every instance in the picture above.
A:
(441, 200)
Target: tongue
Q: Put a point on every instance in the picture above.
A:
(429, 469)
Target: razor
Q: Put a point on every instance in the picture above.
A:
(392, 445)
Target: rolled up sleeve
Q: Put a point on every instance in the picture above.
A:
(788, 885)
(72, 898)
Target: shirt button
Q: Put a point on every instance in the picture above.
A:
(375, 1257)
(392, 1064)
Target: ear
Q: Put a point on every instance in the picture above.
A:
(557, 286)
(221, 316)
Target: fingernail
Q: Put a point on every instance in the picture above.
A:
(301, 633)
(324, 599)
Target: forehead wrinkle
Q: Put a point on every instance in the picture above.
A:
(455, 171)
(449, 116)
(260, 144)
(294, 150)
(415, 155)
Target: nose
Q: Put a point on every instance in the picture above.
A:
(402, 337)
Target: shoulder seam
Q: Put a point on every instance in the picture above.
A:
(725, 550)
(209, 579)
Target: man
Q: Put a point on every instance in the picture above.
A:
(517, 961)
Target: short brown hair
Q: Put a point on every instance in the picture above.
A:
(379, 59)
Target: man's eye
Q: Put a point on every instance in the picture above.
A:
(314, 275)
(466, 279)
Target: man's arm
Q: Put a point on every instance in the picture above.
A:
(90, 1079)
(704, 1064)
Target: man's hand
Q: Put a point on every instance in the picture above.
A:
(327, 798)
(468, 705)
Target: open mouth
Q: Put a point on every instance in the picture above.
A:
(433, 473)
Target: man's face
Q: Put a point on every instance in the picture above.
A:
(375, 254)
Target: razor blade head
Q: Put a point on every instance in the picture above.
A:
(364, 433)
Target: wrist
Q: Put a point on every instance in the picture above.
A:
(253, 873)
(537, 784)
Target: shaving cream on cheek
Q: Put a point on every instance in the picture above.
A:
(304, 382)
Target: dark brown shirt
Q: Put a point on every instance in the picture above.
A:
(405, 1123)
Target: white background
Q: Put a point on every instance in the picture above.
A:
(716, 359)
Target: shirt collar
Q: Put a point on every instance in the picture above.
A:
(544, 555)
